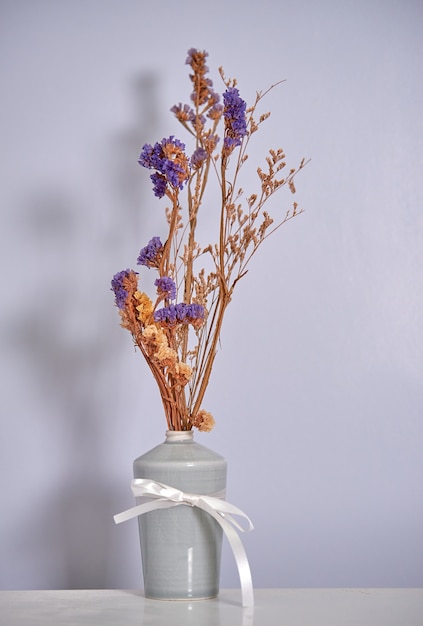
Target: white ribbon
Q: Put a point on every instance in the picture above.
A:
(163, 497)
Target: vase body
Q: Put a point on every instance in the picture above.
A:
(181, 546)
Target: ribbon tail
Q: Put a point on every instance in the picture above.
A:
(239, 554)
(227, 510)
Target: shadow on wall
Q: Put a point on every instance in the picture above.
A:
(66, 353)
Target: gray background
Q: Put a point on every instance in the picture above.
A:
(317, 391)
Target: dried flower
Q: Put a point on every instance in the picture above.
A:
(154, 339)
(204, 421)
(144, 308)
(198, 157)
(117, 286)
(166, 288)
(170, 161)
(179, 313)
(166, 356)
(150, 256)
(202, 91)
(182, 373)
(123, 285)
(234, 115)
(178, 333)
(183, 113)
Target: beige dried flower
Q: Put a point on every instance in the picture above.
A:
(154, 338)
(166, 356)
(204, 421)
(145, 307)
(182, 373)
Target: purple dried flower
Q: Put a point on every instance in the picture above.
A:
(183, 113)
(168, 314)
(166, 287)
(198, 158)
(194, 312)
(202, 86)
(194, 55)
(230, 143)
(150, 256)
(118, 287)
(234, 115)
(170, 162)
(159, 184)
(215, 111)
(174, 313)
(146, 155)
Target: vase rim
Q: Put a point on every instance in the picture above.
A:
(179, 435)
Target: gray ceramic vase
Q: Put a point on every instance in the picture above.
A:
(181, 546)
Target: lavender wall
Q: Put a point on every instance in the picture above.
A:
(317, 391)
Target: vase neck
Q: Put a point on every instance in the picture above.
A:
(173, 436)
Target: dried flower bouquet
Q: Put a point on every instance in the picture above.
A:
(178, 330)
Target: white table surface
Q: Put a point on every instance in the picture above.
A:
(273, 607)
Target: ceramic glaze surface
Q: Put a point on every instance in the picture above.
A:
(181, 546)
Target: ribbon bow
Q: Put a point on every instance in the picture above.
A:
(163, 497)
